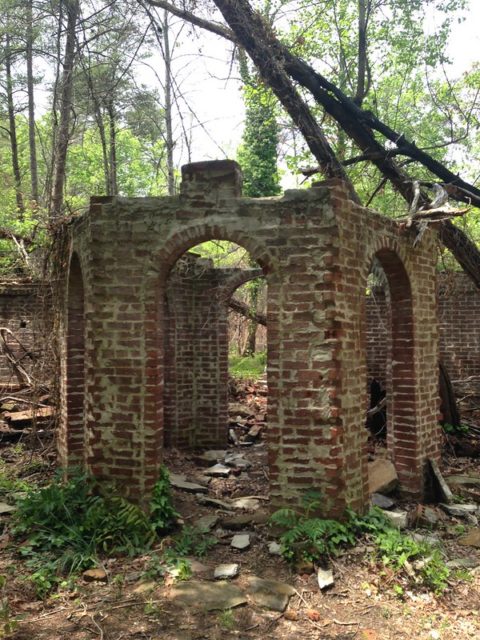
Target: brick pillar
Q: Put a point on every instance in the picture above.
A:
(72, 434)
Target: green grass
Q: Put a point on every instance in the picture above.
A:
(249, 367)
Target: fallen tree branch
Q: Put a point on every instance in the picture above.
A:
(244, 310)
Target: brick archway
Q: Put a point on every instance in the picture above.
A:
(205, 424)
(315, 248)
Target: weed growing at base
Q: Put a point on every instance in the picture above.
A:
(67, 524)
(311, 538)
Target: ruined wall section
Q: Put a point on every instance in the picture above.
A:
(459, 318)
(315, 248)
(20, 313)
(413, 387)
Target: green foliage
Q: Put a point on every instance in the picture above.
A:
(307, 538)
(257, 154)
(191, 541)
(162, 513)
(248, 367)
(452, 430)
(66, 524)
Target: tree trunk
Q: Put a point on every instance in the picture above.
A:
(63, 132)
(167, 56)
(251, 34)
(17, 176)
(113, 191)
(31, 105)
(267, 52)
(244, 310)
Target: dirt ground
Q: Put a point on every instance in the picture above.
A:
(362, 603)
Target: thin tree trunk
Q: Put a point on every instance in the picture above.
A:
(63, 133)
(31, 105)
(113, 191)
(17, 176)
(362, 88)
(167, 54)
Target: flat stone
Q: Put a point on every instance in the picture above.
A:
(6, 509)
(214, 455)
(274, 549)
(465, 480)
(218, 471)
(206, 523)
(241, 541)
(237, 460)
(95, 575)
(179, 482)
(213, 502)
(398, 518)
(383, 502)
(420, 537)
(270, 594)
(459, 510)
(238, 522)
(463, 563)
(225, 571)
(324, 578)
(472, 539)
(145, 587)
(207, 596)
(249, 504)
(382, 476)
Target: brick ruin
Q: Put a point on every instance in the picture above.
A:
(144, 360)
(23, 330)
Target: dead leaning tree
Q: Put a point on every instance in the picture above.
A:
(279, 69)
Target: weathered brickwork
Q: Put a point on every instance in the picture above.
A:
(21, 305)
(459, 328)
(315, 248)
(196, 352)
(459, 320)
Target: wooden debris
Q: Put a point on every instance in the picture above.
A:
(20, 418)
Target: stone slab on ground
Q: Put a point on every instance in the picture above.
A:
(382, 476)
(241, 541)
(270, 594)
(213, 502)
(211, 456)
(249, 504)
(226, 571)
(379, 500)
(207, 596)
(398, 518)
(472, 539)
(180, 482)
(324, 578)
(460, 510)
(237, 522)
(6, 509)
(206, 523)
(218, 471)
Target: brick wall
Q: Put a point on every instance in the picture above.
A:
(459, 328)
(21, 313)
(315, 248)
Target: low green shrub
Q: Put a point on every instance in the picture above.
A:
(247, 367)
(314, 539)
(67, 524)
